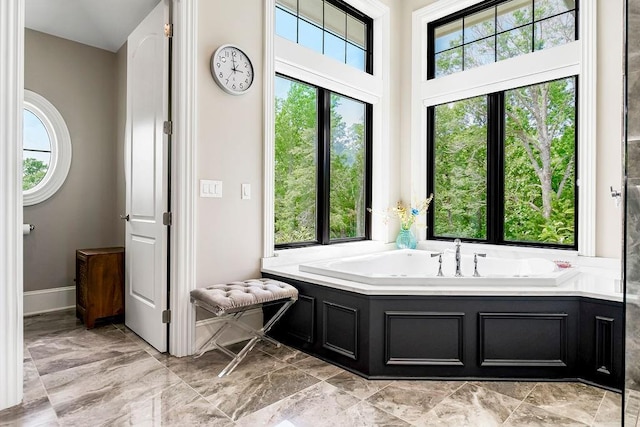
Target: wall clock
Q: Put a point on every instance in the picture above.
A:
(231, 69)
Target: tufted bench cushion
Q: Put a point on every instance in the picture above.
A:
(236, 296)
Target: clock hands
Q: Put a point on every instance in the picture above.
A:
(234, 67)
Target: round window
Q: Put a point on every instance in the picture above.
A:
(46, 149)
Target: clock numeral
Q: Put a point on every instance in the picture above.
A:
(220, 75)
(227, 82)
(241, 86)
(234, 53)
(234, 86)
(223, 59)
(218, 64)
(246, 81)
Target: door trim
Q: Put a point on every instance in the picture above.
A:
(183, 171)
(11, 276)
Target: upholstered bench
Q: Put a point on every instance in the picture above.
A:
(230, 301)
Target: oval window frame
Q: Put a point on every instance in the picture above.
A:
(61, 152)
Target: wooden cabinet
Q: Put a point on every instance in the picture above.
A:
(99, 284)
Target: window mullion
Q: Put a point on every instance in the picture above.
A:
(324, 164)
(495, 168)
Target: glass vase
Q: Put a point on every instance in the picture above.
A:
(406, 239)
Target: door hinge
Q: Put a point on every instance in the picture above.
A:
(168, 30)
(167, 218)
(166, 316)
(167, 127)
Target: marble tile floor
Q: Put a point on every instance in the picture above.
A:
(108, 376)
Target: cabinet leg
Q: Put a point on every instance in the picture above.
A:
(89, 322)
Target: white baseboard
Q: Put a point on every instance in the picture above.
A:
(206, 328)
(46, 300)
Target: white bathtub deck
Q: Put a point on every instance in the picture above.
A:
(585, 284)
(597, 278)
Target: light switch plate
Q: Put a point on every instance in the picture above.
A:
(245, 191)
(209, 188)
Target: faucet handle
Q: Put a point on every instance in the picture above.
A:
(475, 263)
(439, 255)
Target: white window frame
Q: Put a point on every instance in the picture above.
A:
(61, 152)
(292, 60)
(575, 58)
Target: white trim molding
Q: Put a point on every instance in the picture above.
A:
(61, 151)
(587, 128)
(269, 147)
(48, 300)
(575, 58)
(183, 191)
(11, 276)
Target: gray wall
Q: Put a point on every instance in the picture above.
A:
(81, 82)
(632, 244)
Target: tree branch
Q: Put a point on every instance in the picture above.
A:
(565, 177)
(526, 141)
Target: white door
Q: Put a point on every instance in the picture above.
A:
(146, 163)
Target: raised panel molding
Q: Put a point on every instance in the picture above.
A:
(604, 345)
(504, 337)
(309, 335)
(424, 333)
(345, 327)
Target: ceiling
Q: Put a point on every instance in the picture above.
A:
(100, 23)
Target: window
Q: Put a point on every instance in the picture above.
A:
(36, 150)
(503, 166)
(322, 165)
(498, 30)
(46, 149)
(328, 27)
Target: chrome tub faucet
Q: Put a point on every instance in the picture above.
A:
(458, 257)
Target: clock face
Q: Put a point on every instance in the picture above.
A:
(232, 70)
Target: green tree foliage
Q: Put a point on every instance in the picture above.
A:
(295, 164)
(296, 131)
(460, 202)
(33, 172)
(539, 162)
(347, 194)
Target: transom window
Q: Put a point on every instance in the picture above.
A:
(503, 166)
(497, 30)
(322, 165)
(46, 149)
(329, 27)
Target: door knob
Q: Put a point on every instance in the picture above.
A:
(125, 217)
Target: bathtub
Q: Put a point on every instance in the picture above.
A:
(418, 267)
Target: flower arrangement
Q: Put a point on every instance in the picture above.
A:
(408, 214)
